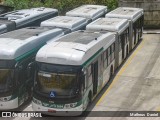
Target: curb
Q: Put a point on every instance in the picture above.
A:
(145, 32)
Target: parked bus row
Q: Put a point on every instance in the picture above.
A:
(19, 47)
(72, 68)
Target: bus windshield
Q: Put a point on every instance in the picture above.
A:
(61, 80)
(6, 75)
(6, 80)
(61, 84)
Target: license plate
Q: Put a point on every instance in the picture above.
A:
(52, 111)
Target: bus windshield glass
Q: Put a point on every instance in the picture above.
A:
(6, 75)
(61, 80)
(6, 80)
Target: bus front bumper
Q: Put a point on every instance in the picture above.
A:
(7, 105)
(57, 112)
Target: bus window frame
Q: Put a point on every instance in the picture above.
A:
(109, 55)
(119, 43)
(134, 33)
(88, 77)
(112, 51)
(105, 59)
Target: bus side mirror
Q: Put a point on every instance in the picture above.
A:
(30, 69)
(17, 70)
(84, 71)
(18, 67)
(83, 84)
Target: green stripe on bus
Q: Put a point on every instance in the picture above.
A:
(29, 53)
(91, 58)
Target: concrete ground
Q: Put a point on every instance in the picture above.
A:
(135, 87)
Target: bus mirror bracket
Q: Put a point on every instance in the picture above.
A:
(29, 68)
(84, 70)
(18, 67)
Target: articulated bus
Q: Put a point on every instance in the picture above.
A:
(24, 18)
(120, 27)
(135, 17)
(71, 71)
(17, 61)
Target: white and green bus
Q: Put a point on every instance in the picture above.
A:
(136, 19)
(71, 71)
(24, 18)
(17, 55)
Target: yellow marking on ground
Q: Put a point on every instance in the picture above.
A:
(158, 109)
(121, 71)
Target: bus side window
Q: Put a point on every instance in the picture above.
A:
(109, 55)
(101, 63)
(127, 34)
(123, 38)
(89, 76)
(112, 51)
(141, 25)
(120, 44)
(134, 33)
(105, 64)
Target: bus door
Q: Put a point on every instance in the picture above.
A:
(95, 77)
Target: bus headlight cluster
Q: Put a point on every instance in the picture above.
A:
(38, 102)
(3, 99)
(71, 105)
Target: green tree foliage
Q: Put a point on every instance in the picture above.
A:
(61, 5)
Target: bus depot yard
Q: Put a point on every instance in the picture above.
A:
(135, 86)
(108, 65)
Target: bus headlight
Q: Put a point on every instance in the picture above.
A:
(3, 99)
(71, 105)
